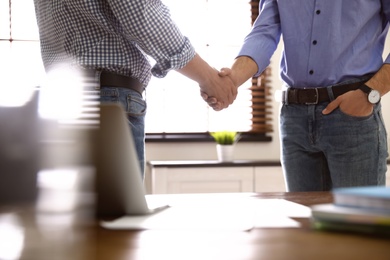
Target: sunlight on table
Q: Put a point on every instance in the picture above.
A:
(11, 237)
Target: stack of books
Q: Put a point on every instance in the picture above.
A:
(355, 209)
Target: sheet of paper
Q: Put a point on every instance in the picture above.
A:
(234, 216)
(193, 218)
(277, 213)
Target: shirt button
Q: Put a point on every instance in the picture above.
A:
(314, 42)
(318, 11)
(311, 72)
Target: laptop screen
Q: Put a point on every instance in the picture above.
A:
(119, 185)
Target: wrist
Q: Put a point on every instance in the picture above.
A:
(373, 96)
(232, 76)
(380, 81)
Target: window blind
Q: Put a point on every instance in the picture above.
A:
(261, 92)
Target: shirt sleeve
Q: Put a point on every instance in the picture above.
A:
(386, 11)
(261, 43)
(148, 24)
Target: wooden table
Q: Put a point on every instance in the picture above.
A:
(75, 234)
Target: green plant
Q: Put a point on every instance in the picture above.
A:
(225, 137)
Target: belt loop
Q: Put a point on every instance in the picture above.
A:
(330, 93)
(91, 79)
(97, 77)
(285, 95)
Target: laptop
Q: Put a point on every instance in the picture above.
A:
(119, 185)
(121, 192)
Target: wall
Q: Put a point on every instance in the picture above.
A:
(245, 151)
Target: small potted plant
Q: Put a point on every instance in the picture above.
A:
(225, 144)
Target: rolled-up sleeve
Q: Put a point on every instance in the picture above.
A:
(175, 61)
(149, 25)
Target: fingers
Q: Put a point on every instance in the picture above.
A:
(220, 91)
(204, 95)
(331, 106)
(211, 101)
(214, 104)
(229, 88)
(227, 73)
(216, 107)
(233, 90)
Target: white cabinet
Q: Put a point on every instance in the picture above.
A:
(202, 180)
(212, 177)
(269, 179)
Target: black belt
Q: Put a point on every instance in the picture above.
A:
(312, 96)
(115, 80)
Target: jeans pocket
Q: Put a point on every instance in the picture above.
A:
(351, 117)
(136, 105)
(132, 102)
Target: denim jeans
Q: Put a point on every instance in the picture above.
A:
(135, 108)
(321, 152)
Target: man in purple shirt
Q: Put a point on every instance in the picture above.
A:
(331, 128)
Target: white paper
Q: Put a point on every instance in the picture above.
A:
(234, 216)
(194, 218)
(277, 213)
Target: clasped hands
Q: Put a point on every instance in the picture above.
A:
(220, 91)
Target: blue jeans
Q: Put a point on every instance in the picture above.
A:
(135, 107)
(321, 152)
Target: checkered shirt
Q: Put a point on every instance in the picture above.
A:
(112, 35)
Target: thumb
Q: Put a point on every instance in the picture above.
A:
(224, 72)
(331, 106)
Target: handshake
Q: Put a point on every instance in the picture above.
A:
(220, 89)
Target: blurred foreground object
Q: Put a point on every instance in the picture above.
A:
(19, 152)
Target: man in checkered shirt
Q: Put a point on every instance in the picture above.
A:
(110, 38)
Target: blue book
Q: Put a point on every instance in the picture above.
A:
(356, 215)
(368, 197)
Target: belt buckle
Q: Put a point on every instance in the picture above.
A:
(317, 98)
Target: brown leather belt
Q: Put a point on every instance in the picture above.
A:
(116, 80)
(312, 96)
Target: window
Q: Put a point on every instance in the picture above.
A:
(217, 29)
(19, 51)
(175, 109)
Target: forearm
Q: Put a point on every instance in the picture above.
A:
(243, 69)
(198, 70)
(381, 80)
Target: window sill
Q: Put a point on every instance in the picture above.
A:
(214, 164)
(200, 137)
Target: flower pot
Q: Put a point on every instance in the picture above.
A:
(225, 153)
